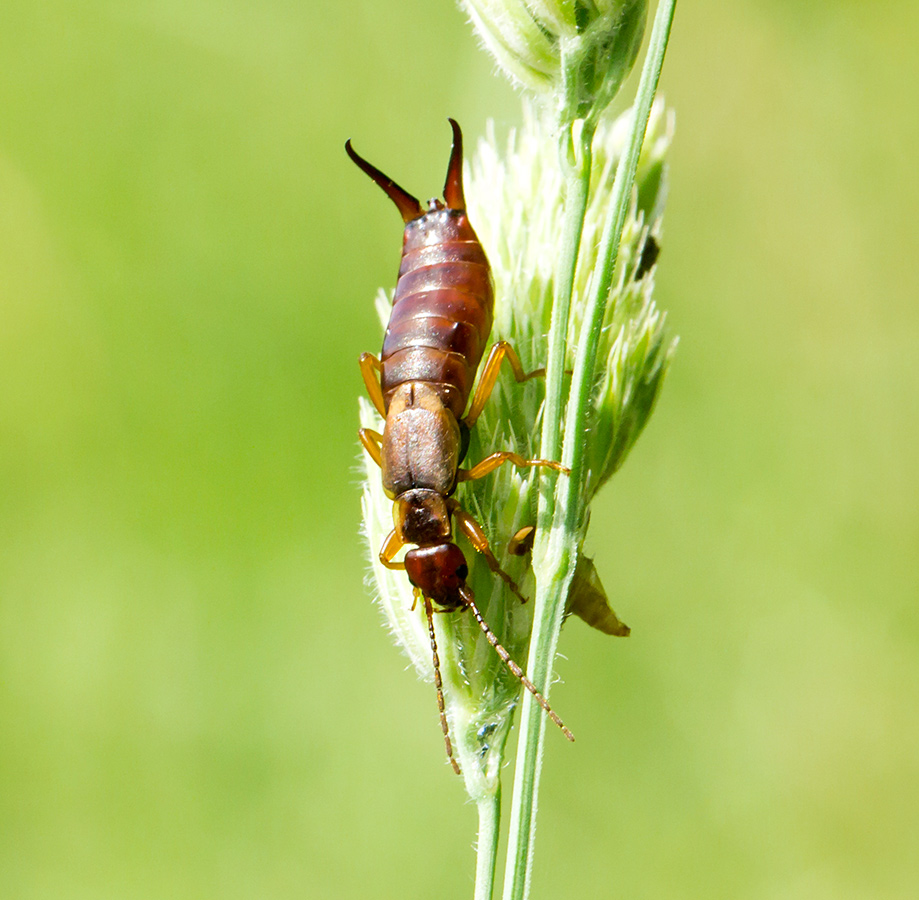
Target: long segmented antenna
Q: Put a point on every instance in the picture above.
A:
(469, 600)
(438, 683)
(409, 206)
(453, 187)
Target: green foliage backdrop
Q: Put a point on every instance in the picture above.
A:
(196, 697)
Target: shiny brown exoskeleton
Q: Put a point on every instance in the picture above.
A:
(438, 329)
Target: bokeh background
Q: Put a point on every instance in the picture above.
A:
(197, 699)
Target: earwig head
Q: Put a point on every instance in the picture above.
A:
(440, 572)
(408, 205)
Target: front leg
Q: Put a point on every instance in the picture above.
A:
(476, 536)
(391, 546)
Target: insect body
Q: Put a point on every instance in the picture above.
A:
(438, 329)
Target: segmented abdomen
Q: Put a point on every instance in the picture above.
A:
(442, 309)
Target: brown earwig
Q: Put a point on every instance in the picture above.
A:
(440, 323)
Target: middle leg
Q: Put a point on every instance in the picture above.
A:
(490, 463)
(371, 441)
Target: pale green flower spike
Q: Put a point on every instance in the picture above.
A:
(515, 203)
(576, 53)
(570, 216)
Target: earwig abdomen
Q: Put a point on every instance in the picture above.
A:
(442, 309)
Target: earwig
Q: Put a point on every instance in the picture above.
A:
(440, 323)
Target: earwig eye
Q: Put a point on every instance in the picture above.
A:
(462, 572)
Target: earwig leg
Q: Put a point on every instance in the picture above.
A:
(438, 683)
(369, 365)
(476, 536)
(466, 594)
(496, 460)
(391, 546)
(499, 352)
(371, 441)
(522, 542)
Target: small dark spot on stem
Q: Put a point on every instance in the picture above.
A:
(649, 255)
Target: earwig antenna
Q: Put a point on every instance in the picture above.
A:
(453, 187)
(438, 683)
(409, 206)
(469, 600)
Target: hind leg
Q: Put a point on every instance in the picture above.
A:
(499, 352)
(370, 367)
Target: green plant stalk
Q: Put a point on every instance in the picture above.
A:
(576, 161)
(555, 553)
(577, 164)
(489, 809)
(586, 360)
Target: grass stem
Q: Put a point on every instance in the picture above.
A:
(561, 517)
(489, 808)
(575, 156)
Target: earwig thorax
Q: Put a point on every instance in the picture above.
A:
(421, 517)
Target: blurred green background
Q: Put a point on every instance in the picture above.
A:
(197, 699)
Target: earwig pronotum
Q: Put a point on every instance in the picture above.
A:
(440, 323)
